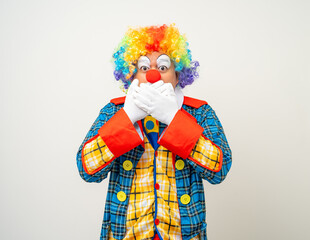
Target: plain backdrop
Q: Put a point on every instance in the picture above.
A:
(56, 74)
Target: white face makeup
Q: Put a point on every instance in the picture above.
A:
(144, 63)
(159, 61)
(163, 62)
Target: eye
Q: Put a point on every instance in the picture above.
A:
(162, 68)
(144, 63)
(144, 68)
(163, 63)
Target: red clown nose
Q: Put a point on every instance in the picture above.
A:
(153, 75)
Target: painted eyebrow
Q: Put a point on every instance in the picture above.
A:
(143, 59)
(166, 59)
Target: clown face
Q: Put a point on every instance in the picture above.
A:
(160, 62)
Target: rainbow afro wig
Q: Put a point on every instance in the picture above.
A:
(143, 40)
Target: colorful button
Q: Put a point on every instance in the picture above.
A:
(149, 125)
(127, 165)
(157, 186)
(156, 221)
(179, 164)
(121, 196)
(185, 199)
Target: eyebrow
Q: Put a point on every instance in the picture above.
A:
(144, 60)
(162, 55)
(165, 60)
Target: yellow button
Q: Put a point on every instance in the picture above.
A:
(185, 199)
(179, 164)
(127, 165)
(121, 196)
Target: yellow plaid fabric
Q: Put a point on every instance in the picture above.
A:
(96, 154)
(207, 154)
(167, 201)
(141, 208)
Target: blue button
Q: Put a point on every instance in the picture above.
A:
(149, 125)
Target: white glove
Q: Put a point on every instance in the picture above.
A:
(132, 110)
(158, 100)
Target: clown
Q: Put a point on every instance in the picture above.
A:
(156, 143)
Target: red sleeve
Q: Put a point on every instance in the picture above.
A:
(182, 134)
(119, 134)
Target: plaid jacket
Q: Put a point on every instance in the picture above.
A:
(188, 181)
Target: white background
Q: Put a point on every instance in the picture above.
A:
(56, 74)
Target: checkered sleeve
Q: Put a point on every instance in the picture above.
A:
(96, 155)
(211, 156)
(200, 139)
(207, 154)
(111, 135)
(94, 160)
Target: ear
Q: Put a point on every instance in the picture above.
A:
(177, 75)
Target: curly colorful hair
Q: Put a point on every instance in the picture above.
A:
(143, 40)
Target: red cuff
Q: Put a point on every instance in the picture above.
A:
(182, 134)
(119, 134)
